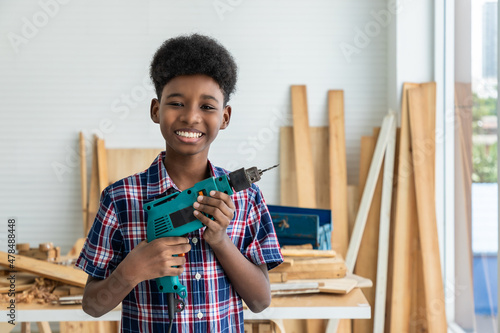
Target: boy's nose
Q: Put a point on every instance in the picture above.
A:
(191, 115)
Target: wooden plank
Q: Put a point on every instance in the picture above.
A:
(338, 170)
(406, 216)
(383, 241)
(288, 183)
(5, 327)
(418, 317)
(102, 164)
(422, 102)
(339, 286)
(390, 271)
(19, 288)
(368, 192)
(83, 180)
(94, 193)
(306, 189)
(329, 268)
(69, 275)
(126, 162)
(307, 246)
(288, 174)
(319, 142)
(278, 277)
(366, 264)
(308, 253)
(352, 205)
(366, 199)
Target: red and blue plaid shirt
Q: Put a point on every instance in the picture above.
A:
(212, 304)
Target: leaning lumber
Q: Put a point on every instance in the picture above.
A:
(83, 180)
(366, 199)
(366, 262)
(406, 216)
(383, 241)
(338, 170)
(94, 192)
(422, 102)
(69, 275)
(306, 189)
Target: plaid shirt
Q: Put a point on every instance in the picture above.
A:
(212, 304)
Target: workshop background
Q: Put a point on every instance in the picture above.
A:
(85, 68)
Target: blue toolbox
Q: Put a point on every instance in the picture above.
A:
(298, 226)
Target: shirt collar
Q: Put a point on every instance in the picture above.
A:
(159, 182)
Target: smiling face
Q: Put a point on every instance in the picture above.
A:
(191, 113)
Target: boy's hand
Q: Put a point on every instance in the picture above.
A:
(160, 257)
(221, 207)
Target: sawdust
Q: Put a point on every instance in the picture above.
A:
(39, 293)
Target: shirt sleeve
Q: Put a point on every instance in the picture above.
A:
(262, 245)
(101, 252)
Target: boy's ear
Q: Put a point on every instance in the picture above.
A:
(155, 110)
(226, 117)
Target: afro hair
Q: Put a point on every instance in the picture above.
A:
(193, 54)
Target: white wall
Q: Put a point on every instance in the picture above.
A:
(84, 67)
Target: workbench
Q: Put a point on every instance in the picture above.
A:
(304, 306)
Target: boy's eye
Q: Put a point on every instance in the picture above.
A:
(207, 107)
(175, 104)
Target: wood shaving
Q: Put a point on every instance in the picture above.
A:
(40, 293)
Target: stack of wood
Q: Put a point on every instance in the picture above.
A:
(389, 219)
(306, 270)
(39, 278)
(44, 251)
(302, 264)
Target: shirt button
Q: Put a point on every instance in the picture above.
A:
(199, 315)
(194, 240)
(197, 276)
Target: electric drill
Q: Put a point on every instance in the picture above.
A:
(173, 216)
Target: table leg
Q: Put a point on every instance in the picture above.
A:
(25, 327)
(43, 327)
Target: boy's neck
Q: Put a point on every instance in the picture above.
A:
(186, 171)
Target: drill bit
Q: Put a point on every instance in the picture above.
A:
(262, 171)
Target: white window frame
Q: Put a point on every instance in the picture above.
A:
(444, 68)
(444, 61)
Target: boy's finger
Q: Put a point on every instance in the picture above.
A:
(220, 213)
(224, 197)
(203, 219)
(210, 203)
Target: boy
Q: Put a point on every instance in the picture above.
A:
(225, 261)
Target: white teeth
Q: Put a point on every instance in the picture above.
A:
(189, 134)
